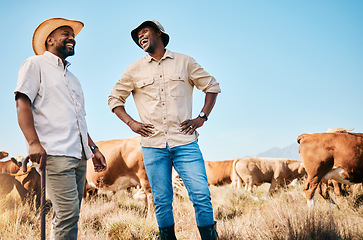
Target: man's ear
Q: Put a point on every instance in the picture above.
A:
(49, 41)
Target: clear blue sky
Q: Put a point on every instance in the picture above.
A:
(284, 67)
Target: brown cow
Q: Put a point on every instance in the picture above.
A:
(8, 182)
(3, 154)
(258, 170)
(337, 156)
(10, 166)
(30, 180)
(125, 168)
(220, 173)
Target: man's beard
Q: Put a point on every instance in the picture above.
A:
(64, 51)
(150, 49)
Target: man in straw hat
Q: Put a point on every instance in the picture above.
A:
(51, 115)
(162, 85)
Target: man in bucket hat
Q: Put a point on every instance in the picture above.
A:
(51, 115)
(162, 85)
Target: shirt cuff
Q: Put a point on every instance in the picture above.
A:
(114, 103)
(212, 89)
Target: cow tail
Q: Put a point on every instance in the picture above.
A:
(234, 168)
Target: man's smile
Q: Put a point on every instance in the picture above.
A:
(143, 42)
(70, 45)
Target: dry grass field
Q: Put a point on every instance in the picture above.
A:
(282, 216)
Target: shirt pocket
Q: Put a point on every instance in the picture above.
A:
(147, 87)
(177, 85)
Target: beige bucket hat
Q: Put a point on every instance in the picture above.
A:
(47, 27)
(152, 23)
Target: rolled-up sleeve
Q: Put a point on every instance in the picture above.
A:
(202, 79)
(28, 79)
(120, 91)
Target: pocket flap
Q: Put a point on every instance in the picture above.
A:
(177, 77)
(144, 82)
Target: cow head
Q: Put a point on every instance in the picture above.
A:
(3, 154)
(16, 162)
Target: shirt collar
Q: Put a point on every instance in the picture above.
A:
(167, 54)
(55, 59)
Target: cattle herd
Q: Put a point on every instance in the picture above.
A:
(333, 158)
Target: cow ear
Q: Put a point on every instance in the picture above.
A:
(14, 161)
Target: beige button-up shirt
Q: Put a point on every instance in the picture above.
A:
(57, 104)
(163, 94)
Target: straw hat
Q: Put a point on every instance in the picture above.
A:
(47, 27)
(154, 24)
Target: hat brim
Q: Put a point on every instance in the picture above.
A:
(47, 27)
(135, 32)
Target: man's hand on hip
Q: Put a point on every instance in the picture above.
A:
(144, 130)
(189, 126)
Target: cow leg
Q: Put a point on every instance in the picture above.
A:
(310, 187)
(249, 184)
(150, 206)
(239, 182)
(338, 189)
(273, 185)
(37, 200)
(145, 185)
(249, 187)
(323, 190)
(236, 182)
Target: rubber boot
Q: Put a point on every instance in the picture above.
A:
(167, 233)
(208, 232)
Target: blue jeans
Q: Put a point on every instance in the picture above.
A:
(188, 162)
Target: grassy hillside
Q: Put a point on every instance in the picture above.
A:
(282, 216)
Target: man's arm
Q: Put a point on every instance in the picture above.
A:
(99, 161)
(26, 123)
(189, 126)
(144, 130)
